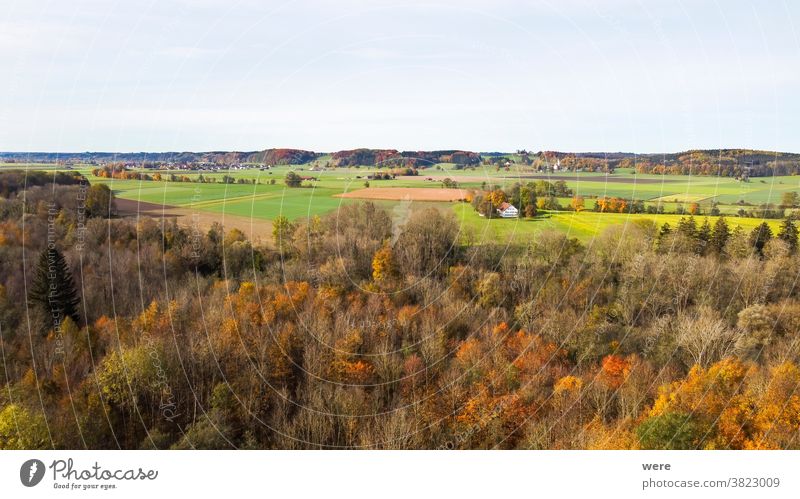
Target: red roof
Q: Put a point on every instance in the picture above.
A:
(504, 206)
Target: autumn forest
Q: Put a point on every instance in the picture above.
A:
(356, 330)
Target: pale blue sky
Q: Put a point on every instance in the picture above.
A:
(616, 75)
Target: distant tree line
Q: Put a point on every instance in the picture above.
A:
(123, 173)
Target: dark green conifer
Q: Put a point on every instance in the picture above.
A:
(703, 238)
(788, 234)
(53, 288)
(760, 237)
(720, 236)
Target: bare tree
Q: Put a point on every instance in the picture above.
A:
(705, 337)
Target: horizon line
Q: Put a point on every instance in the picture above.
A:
(495, 151)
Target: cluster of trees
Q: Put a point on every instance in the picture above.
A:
(14, 181)
(790, 199)
(613, 204)
(228, 179)
(528, 197)
(352, 330)
(404, 170)
(381, 176)
(487, 203)
(718, 239)
(607, 204)
(370, 157)
(500, 160)
(202, 179)
(49, 193)
(409, 159)
(293, 179)
(282, 157)
(573, 162)
(549, 160)
(123, 173)
(764, 210)
(738, 163)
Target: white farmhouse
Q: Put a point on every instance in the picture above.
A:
(508, 210)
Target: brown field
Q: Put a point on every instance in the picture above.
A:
(407, 193)
(254, 228)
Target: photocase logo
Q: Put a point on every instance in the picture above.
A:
(31, 472)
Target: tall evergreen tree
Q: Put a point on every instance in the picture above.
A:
(53, 288)
(663, 233)
(688, 227)
(760, 237)
(703, 238)
(738, 245)
(720, 236)
(788, 234)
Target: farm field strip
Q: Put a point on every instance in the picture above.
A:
(584, 225)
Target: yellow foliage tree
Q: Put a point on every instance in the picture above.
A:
(497, 197)
(383, 264)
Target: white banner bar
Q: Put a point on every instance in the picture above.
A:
(389, 474)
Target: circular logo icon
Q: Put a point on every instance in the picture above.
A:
(31, 472)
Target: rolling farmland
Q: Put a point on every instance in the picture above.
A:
(269, 197)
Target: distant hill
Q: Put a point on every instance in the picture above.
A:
(723, 162)
(282, 157)
(392, 157)
(268, 156)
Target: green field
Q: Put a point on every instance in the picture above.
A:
(624, 183)
(259, 201)
(680, 188)
(667, 189)
(264, 201)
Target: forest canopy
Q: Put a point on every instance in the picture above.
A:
(359, 330)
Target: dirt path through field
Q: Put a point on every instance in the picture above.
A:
(254, 228)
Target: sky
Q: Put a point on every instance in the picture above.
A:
(501, 75)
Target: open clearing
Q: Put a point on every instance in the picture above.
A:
(407, 193)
